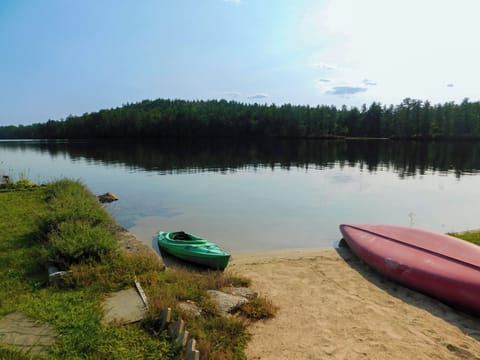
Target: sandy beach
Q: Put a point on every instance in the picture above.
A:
(333, 306)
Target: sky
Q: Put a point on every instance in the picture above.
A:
(67, 57)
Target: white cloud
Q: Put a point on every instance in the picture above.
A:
(410, 48)
(346, 90)
(258, 96)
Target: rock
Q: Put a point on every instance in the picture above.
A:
(107, 197)
(241, 291)
(227, 303)
(190, 308)
(56, 276)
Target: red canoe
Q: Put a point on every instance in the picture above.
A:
(436, 264)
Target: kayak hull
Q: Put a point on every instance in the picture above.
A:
(439, 265)
(195, 250)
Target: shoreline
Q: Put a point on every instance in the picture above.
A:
(332, 305)
(269, 256)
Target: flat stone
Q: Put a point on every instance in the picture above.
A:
(190, 307)
(25, 334)
(227, 303)
(124, 306)
(241, 291)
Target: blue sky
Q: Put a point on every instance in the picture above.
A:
(61, 57)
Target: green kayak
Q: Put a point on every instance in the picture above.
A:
(192, 248)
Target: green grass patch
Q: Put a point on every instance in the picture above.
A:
(11, 354)
(470, 236)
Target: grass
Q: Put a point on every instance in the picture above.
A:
(7, 183)
(470, 236)
(62, 223)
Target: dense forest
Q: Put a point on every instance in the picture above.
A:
(179, 118)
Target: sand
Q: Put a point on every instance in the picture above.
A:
(333, 306)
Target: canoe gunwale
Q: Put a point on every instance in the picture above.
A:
(449, 258)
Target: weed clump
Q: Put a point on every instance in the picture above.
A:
(258, 308)
(76, 241)
(7, 183)
(76, 229)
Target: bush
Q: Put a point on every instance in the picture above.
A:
(76, 229)
(70, 201)
(24, 184)
(76, 241)
(258, 309)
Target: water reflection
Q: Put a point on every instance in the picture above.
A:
(228, 155)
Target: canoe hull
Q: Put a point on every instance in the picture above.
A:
(199, 251)
(436, 264)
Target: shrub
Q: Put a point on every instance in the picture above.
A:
(24, 184)
(76, 229)
(70, 201)
(76, 241)
(258, 308)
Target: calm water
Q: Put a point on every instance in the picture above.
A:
(265, 196)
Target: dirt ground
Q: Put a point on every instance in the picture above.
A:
(333, 306)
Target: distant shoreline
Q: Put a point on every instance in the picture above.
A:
(166, 118)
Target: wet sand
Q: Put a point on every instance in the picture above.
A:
(333, 306)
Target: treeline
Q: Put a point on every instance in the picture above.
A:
(180, 118)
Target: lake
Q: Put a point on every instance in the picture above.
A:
(269, 195)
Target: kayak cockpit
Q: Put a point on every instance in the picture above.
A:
(181, 235)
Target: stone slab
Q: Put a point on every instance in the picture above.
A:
(240, 291)
(124, 307)
(23, 333)
(190, 308)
